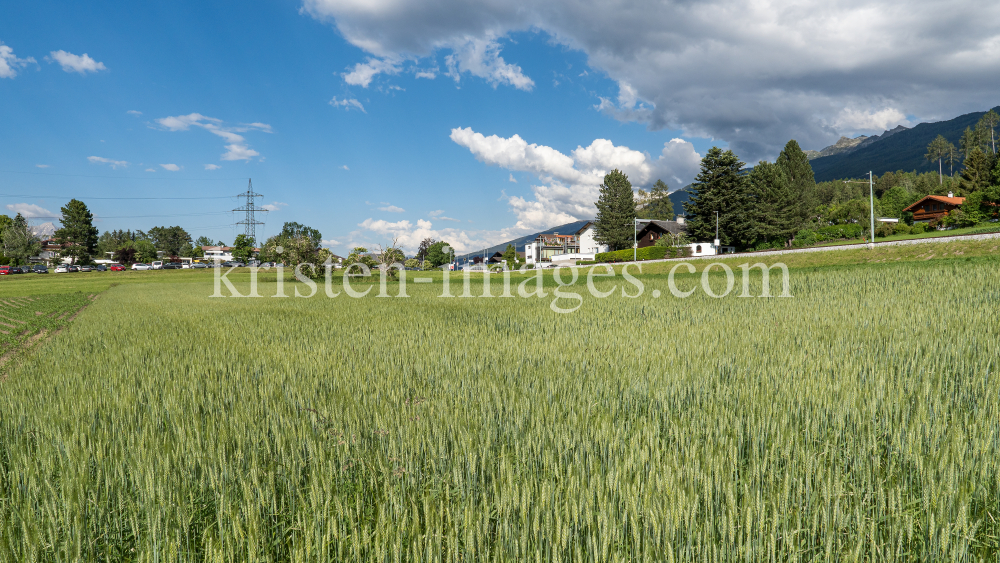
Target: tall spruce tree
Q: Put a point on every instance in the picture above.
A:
(777, 208)
(801, 180)
(615, 222)
(78, 234)
(977, 174)
(721, 187)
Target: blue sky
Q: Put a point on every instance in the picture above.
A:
(378, 120)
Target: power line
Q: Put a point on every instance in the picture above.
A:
(138, 216)
(118, 177)
(97, 197)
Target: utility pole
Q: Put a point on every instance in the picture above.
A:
(871, 193)
(250, 208)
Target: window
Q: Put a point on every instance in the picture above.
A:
(698, 249)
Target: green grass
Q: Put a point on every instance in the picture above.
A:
(859, 420)
(974, 230)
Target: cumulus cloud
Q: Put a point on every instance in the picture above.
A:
(170, 167)
(236, 149)
(115, 164)
(133, 112)
(9, 63)
(75, 63)
(30, 210)
(752, 74)
(363, 73)
(330, 242)
(391, 208)
(212, 167)
(345, 167)
(851, 119)
(274, 206)
(570, 184)
(347, 104)
(512, 178)
(150, 170)
(410, 234)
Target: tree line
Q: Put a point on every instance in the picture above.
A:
(779, 204)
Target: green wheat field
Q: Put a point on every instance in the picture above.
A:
(857, 421)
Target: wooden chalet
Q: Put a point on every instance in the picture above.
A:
(654, 230)
(934, 207)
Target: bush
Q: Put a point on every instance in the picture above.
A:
(647, 253)
(918, 228)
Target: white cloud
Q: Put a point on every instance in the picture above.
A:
(748, 73)
(392, 209)
(75, 63)
(347, 104)
(115, 164)
(481, 57)
(363, 73)
(9, 63)
(150, 170)
(30, 210)
(570, 184)
(41, 166)
(133, 112)
(330, 242)
(274, 206)
(212, 167)
(345, 167)
(170, 167)
(237, 149)
(512, 178)
(851, 119)
(428, 73)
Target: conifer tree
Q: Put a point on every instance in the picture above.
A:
(777, 209)
(78, 234)
(657, 204)
(615, 222)
(938, 150)
(801, 180)
(977, 174)
(721, 187)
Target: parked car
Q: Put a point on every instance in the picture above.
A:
(40, 269)
(157, 265)
(5, 271)
(199, 265)
(62, 268)
(171, 266)
(86, 268)
(141, 266)
(116, 268)
(73, 268)
(101, 267)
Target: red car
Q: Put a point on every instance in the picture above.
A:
(116, 268)
(5, 271)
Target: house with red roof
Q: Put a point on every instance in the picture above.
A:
(934, 207)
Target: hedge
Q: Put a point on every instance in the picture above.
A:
(647, 253)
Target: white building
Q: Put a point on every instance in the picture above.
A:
(588, 244)
(221, 253)
(710, 248)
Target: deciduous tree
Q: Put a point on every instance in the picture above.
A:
(19, 243)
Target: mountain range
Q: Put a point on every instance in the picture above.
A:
(900, 148)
